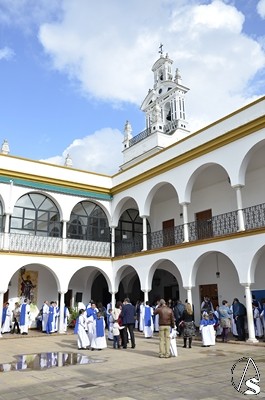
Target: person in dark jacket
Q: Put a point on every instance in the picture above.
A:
(166, 321)
(239, 313)
(178, 312)
(128, 320)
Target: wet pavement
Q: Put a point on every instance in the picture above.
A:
(55, 369)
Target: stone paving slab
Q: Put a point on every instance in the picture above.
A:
(132, 374)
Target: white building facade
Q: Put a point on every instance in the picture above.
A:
(183, 218)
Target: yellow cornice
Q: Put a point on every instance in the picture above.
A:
(53, 181)
(220, 141)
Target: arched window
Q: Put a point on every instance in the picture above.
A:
(36, 214)
(130, 226)
(88, 222)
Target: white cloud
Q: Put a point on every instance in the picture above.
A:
(28, 13)
(109, 48)
(261, 8)
(99, 152)
(6, 53)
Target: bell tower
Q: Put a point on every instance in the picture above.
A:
(169, 93)
(165, 113)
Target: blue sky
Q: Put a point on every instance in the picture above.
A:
(73, 71)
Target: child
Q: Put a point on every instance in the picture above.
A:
(98, 340)
(80, 330)
(116, 335)
(110, 324)
(205, 330)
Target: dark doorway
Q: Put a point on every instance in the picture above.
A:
(168, 233)
(210, 290)
(204, 224)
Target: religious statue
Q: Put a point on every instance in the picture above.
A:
(156, 114)
(27, 288)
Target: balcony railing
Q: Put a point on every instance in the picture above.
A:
(87, 248)
(166, 237)
(134, 245)
(217, 226)
(168, 129)
(35, 244)
(51, 245)
(142, 135)
(254, 216)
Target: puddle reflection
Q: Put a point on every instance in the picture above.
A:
(41, 361)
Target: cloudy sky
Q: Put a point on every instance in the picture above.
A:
(73, 71)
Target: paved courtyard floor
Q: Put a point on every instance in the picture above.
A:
(201, 373)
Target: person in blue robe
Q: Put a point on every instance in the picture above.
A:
(50, 322)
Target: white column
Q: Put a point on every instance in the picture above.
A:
(64, 237)
(144, 233)
(146, 296)
(189, 295)
(113, 300)
(250, 319)
(61, 317)
(1, 309)
(240, 215)
(185, 221)
(6, 231)
(64, 229)
(113, 241)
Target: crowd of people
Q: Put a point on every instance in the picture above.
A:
(170, 319)
(18, 320)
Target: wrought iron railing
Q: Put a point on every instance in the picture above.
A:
(142, 135)
(129, 246)
(167, 129)
(218, 225)
(166, 237)
(254, 216)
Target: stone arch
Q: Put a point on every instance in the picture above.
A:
(83, 279)
(151, 194)
(197, 263)
(194, 176)
(88, 221)
(128, 277)
(246, 160)
(43, 193)
(253, 266)
(95, 201)
(36, 216)
(121, 206)
(39, 276)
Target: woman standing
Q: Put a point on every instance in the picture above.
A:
(188, 325)
(225, 314)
